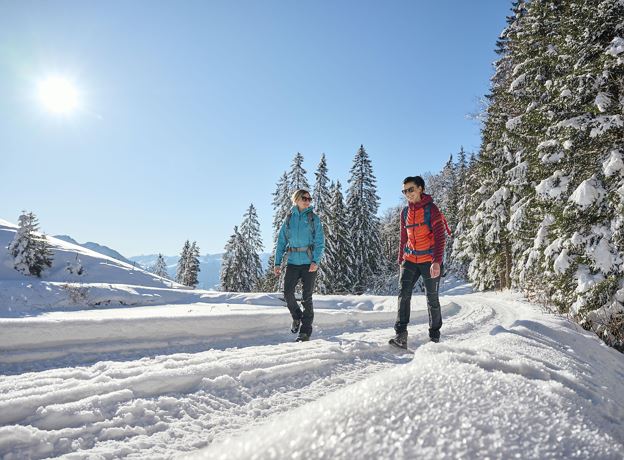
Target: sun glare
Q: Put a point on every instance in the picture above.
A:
(58, 95)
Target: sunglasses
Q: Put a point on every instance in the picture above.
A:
(306, 198)
(408, 190)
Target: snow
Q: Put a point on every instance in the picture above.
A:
(616, 47)
(588, 193)
(519, 81)
(204, 374)
(513, 123)
(605, 123)
(614, 164)
(603, 101)
(554, 186)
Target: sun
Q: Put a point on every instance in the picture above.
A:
(58, 95)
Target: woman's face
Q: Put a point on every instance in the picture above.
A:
(304, 201)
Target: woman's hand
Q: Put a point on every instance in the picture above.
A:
(435, 270)
(277, 270)
(313, 267)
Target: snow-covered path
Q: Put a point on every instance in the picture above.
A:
(505, 380)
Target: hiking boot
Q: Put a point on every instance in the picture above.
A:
(294, 327)
(399, 340)
(303, 337)
(435, 339)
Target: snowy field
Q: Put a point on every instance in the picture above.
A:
(123, 364)
(224, 380)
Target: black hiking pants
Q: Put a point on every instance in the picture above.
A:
(410, 272)
(294, 273)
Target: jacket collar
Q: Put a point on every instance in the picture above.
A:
(424, 199)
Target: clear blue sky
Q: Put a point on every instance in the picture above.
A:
(191, 110)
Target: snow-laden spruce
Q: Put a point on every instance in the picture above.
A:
(29, 249)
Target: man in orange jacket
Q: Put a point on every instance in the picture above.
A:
(420, 254)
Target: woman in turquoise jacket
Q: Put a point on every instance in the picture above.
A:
(301, 241)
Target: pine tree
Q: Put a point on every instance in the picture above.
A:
(297, 175)
(321, 194)
(386, 283)
(250, 232)
(183, 263)
(362, 206)
(192, 268)
(234, 273)
(580, 147)
(337, 276)
(281, 204)
(160, 267)
(31, 252)
(281, 208)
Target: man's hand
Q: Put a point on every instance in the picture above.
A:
(435, 270)
(313, 267)
(277, 270)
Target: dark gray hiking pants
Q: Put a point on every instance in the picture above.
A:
(294, 273)
(410, 272)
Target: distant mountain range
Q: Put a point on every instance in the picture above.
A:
(209, 265)
(95, 247)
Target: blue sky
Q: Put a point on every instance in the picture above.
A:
(192, 110)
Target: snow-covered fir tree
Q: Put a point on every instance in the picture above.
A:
(234, 274)
(192, 269)
(250, 232)
(30, 250)
(362, 205)
(337, 275)
(321, 194)
(183, 262)
(582, 143)
(547, 215)
(160, 267)
(387, 281)
(297, 175)
(281, 208)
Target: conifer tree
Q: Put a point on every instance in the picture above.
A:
(320, 195)
(183, 263)
(362, 206)
(297, 175)
(338, 270)
(192, 266)
(250, 233)
(31, 251)
(160, 267)
(281, 208)
(234, 273)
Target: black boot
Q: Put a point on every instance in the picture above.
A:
(294, 327)
(399, 340)
(303, 337)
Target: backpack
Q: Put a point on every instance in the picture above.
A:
(427, 218)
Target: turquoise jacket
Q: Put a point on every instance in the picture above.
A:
(299, 235)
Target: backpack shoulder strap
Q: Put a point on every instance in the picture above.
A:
(311, 224)
(427, 209)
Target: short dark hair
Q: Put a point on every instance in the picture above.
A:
(415, 179)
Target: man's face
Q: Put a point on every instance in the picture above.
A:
(412, 192)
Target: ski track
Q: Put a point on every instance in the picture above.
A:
(161, 405)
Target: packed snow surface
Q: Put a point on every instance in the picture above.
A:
(223, 379)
